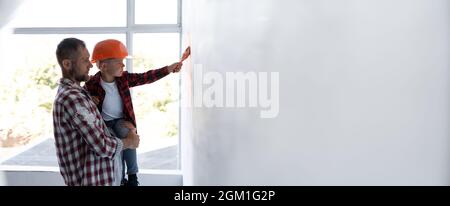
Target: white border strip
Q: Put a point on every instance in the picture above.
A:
(56, 169)
(143, 28)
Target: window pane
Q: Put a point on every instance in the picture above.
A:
(156, 11)
(69, 13)
(157, 104)
(27, 91)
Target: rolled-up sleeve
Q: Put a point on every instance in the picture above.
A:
(137, 79)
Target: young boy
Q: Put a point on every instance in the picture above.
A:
(110, 89)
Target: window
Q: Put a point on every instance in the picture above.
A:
(154, 12)
(26, 122)
(82, 13)
(157, 105)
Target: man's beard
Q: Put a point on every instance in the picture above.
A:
(76, 75)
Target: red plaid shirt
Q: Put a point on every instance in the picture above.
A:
(85, 148)
(124, 83)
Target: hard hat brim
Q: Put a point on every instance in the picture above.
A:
(93, 61)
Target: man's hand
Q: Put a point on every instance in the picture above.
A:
(128, 125)
(175, 67)
(132, 140)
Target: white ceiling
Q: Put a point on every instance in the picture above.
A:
(7, 8)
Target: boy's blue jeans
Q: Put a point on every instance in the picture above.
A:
(129, 155)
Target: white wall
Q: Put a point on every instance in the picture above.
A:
(364, 92)
(7, 10)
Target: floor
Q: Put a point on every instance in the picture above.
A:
(44, 154)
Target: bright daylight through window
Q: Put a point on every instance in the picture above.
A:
(28, 87)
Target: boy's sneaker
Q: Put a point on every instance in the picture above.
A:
(132, 181)
(124, 182)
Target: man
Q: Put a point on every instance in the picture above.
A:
(88, 154)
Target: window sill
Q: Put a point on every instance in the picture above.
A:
(11, 175)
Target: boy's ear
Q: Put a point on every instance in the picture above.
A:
(100, 65)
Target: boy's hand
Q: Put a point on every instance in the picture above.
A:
(175, 67)
(95, 99)
(186, 54)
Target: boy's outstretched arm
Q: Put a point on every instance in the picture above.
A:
(175, 67)
(136, 79)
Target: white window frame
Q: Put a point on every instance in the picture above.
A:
(129, 30)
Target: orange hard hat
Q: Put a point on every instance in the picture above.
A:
(108, 49)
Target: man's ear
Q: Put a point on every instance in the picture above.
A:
(66, 63)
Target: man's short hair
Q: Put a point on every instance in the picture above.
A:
(67, 49)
